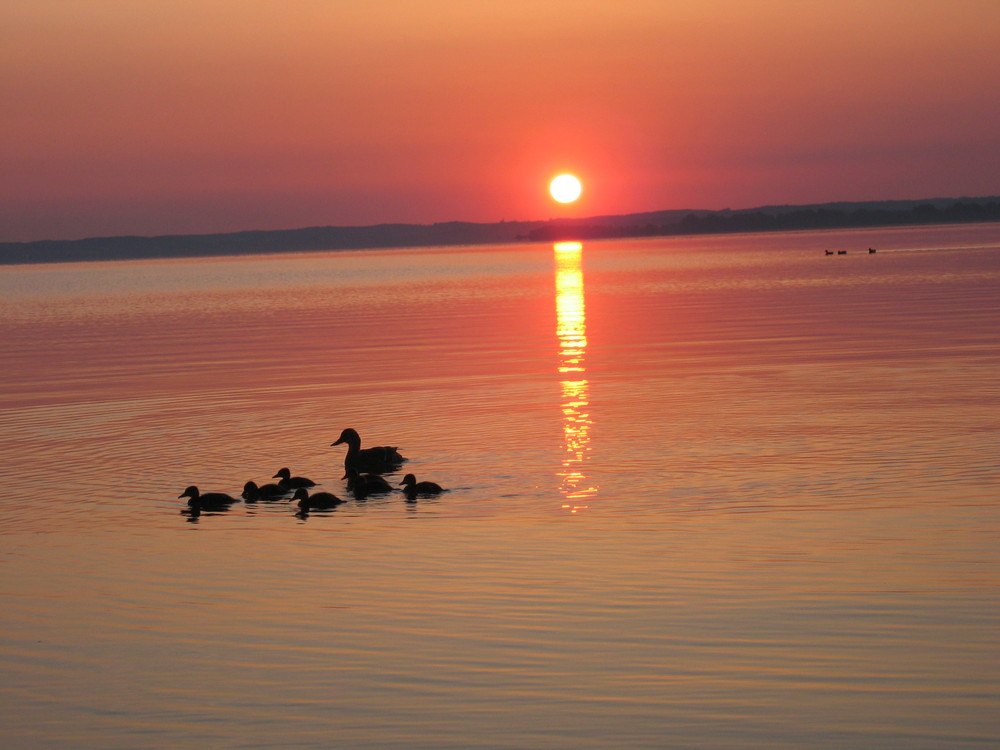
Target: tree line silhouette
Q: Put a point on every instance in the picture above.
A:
(760, 221)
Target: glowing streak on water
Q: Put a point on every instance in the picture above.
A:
(571, 330)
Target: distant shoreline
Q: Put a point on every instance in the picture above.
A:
(649, 224)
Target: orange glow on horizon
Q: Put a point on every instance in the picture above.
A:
(273, 119)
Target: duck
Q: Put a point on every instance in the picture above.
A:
(828, 252)
(841, 252)
(412, 487)
(378, 460)
(316, 501)
(872, 251)
(268, 491)
(292, 483)
(207, 501)
(363, 485)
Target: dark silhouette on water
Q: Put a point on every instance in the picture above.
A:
(412, 487)
(316, 501)
(381, 459)
(210, 501)
(268, 491)
(292, 483)
(363, 485)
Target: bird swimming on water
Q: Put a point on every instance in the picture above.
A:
(207, 501)
(316, 501)
(292, 483)
(379, 459)
(412, 487)
(363, 485)
(268, 491)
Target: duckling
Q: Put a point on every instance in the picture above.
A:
(379, 459)
(292, 483)
(207, 501)
(413, 487)
(316, 501)
(268, 491)
(363, 485)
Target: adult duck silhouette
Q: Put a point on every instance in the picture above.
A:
(270, 491)
(412, 487)
(378, 460)
(198, 502)
(292, 483)
(315, 501)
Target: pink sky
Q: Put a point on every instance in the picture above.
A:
(181, 116)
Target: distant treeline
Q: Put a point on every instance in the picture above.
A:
(671, 222)
(764, 221)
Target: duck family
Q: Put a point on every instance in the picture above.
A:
(363, 470)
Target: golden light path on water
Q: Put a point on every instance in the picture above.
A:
(571, 330)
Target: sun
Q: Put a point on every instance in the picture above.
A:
(565, 188)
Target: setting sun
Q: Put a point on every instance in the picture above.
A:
(565, 188)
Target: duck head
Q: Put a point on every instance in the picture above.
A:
(349, 436)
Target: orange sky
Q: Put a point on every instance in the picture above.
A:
(177, 116)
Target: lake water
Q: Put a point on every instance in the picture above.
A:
(705, 492)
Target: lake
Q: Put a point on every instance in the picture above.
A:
(704, 492)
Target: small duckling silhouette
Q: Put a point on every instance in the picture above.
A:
(268, 491)
(292, 483)
(412, 487)
(207, 501)
(316, 501)
(363, 485)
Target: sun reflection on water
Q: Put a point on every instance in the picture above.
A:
(571, 330)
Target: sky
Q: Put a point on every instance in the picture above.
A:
(150, 117)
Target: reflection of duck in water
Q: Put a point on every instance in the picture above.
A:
(315, 501)
(268, 491)
(413, 488)
(378, 460)
(363, 485)
(292, 483)
(208, 501)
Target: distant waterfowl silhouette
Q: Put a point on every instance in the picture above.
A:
(841, 252)
(828, 252)
(292, 483)
(872, 251)
(378, 460)
(316, 501)
(363, 485)
(413, 487)
(208, 501)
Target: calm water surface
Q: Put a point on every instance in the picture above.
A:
(711, 492)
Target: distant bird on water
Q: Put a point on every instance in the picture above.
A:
(208, 501)
(292, 483)
(268, 491)
(316, 501)
(412, 487)
(378, 460)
